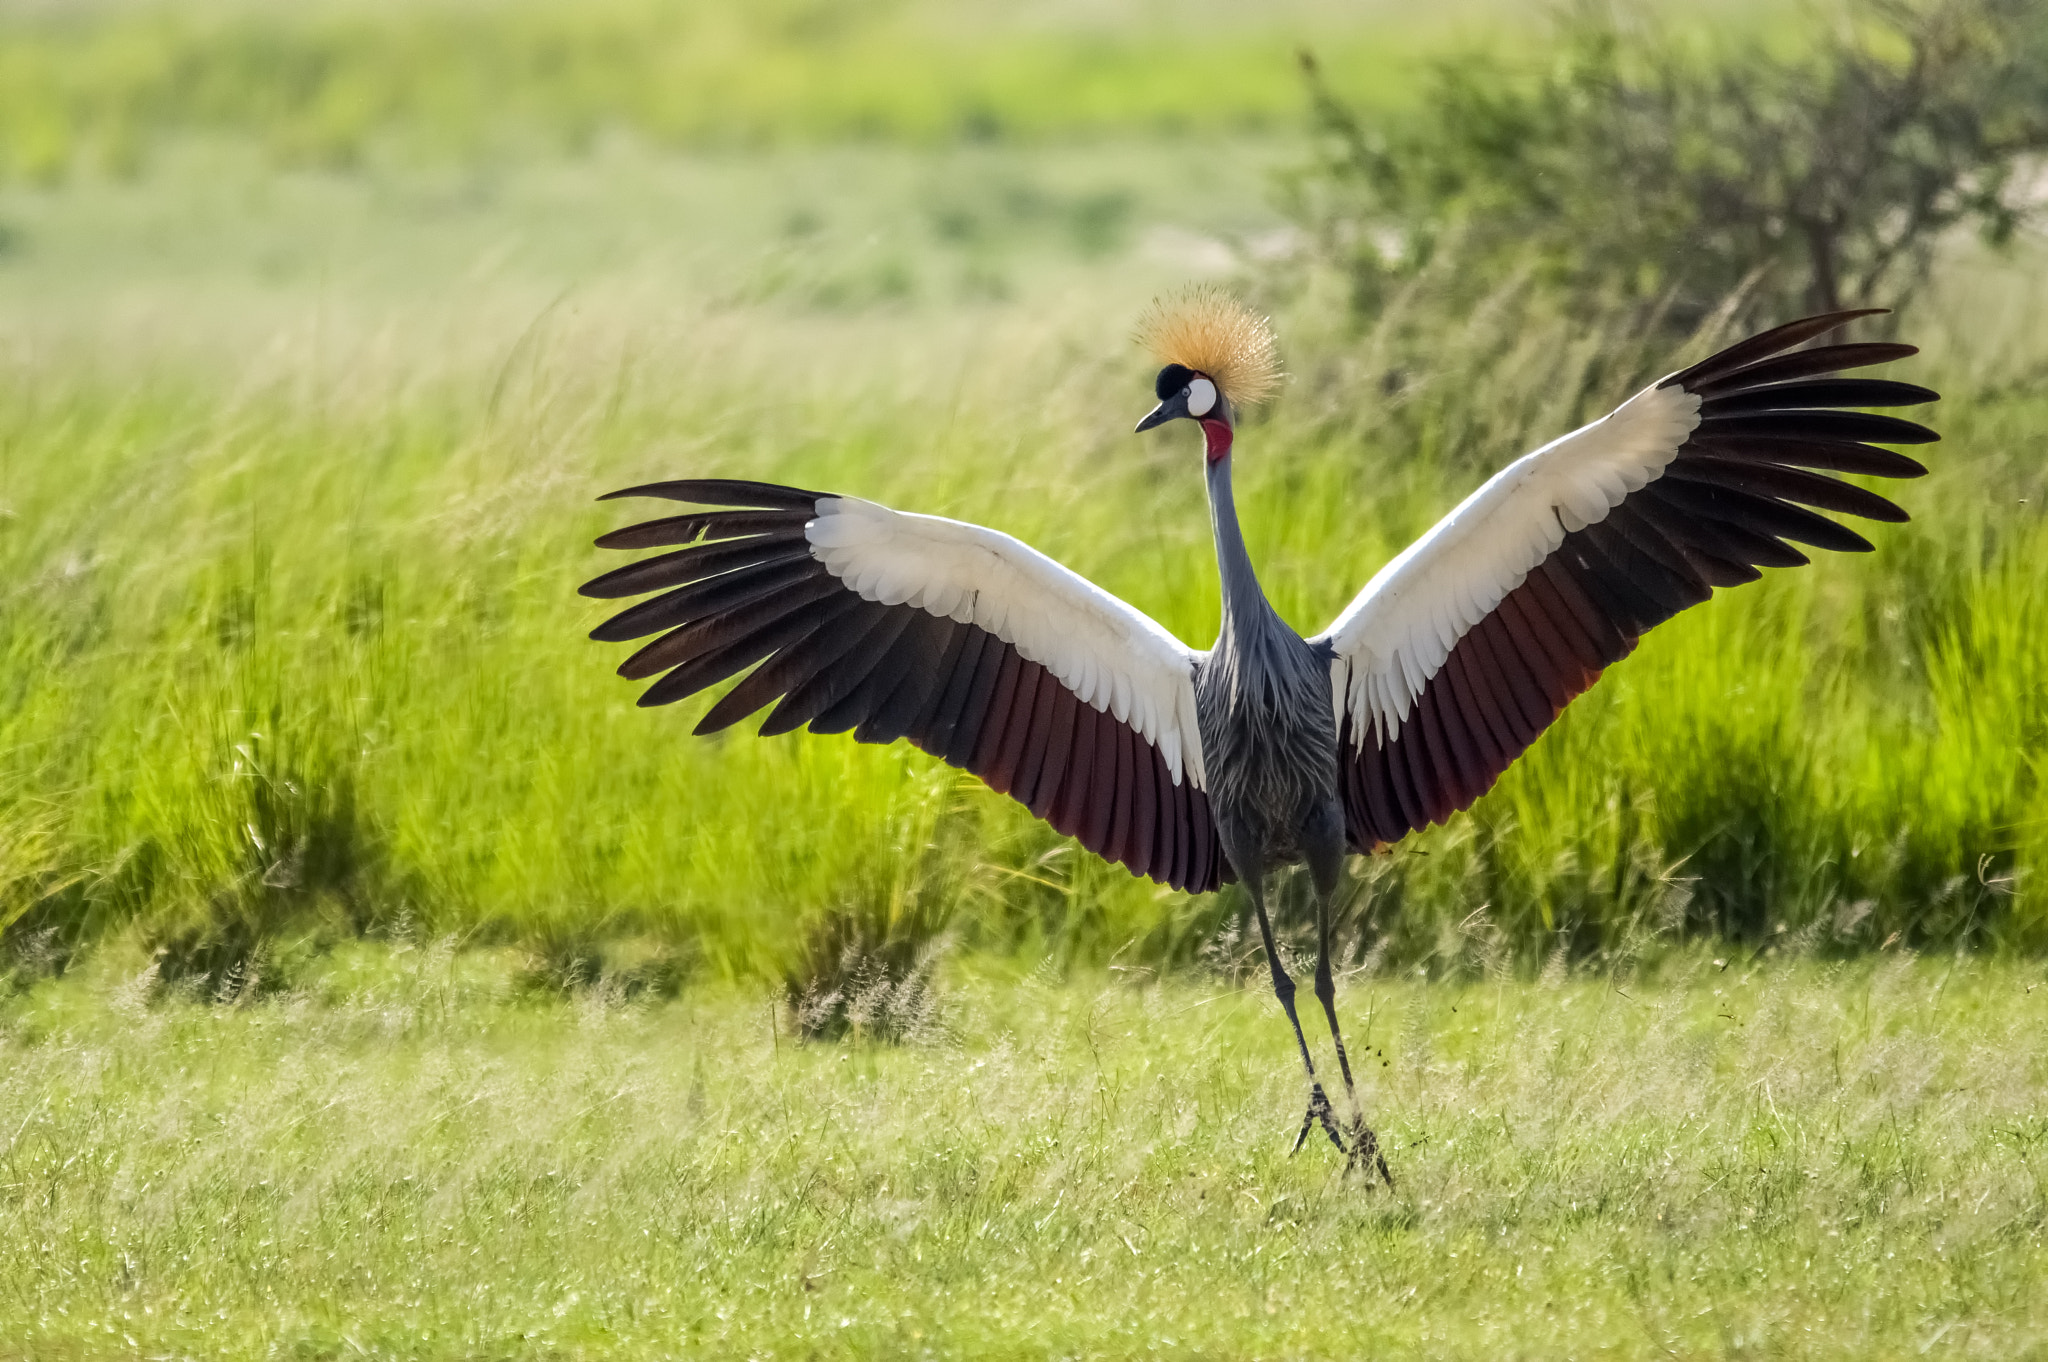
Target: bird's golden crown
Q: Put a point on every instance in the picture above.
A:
(1204, 328)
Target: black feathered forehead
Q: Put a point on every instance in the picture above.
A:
(1171, 380)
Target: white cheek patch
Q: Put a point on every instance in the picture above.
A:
(1201, 397)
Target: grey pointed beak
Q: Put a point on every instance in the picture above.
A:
(1172, 409)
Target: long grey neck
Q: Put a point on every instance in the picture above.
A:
(1247, 617)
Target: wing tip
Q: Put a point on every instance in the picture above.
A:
(734, 493)
(1770, 341)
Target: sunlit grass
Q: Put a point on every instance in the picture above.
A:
(296, 472)
(410, 1158)
(316, 665)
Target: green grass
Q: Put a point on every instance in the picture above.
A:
(296, 469)
(410, 1158)
(304, 657)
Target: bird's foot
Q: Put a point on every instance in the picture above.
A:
(1319, 1110)
(1364, 1154)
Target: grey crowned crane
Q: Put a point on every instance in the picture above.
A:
(1268, 750)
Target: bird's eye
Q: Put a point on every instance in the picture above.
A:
(1201, 397)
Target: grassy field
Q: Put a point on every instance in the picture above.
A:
(410, 1158)
(377, 980)
(296, 477)
(296, 503)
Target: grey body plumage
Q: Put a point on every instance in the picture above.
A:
(1262, 696)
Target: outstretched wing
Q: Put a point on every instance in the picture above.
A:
(1464, 648)
(971, 644)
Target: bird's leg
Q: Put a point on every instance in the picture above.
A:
(1323, 835)
(1283, 988)
(1365, 1145)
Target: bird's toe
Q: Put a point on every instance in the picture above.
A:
(1320, 1113)
(1364, 1153)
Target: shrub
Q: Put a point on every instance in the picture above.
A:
(1635, 167)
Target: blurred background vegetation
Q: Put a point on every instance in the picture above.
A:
(322, 325)
(337, 82)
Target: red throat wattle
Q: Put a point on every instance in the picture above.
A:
(1217, 435)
